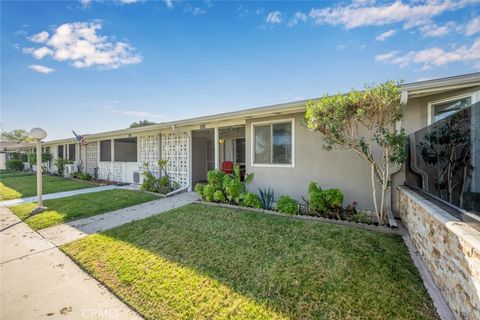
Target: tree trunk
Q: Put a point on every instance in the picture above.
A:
(374, 192)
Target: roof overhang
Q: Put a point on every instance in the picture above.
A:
(409, 90)
(428, 87)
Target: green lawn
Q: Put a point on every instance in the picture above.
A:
(80, 206)
(203, 262)
(21, 186)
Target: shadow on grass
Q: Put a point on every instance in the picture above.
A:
(206, 262)
(15, 187)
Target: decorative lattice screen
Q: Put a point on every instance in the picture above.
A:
(90, 153)
(110, 170)
(149, 151)
(175, 150)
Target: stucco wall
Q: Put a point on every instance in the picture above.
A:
(341, 169)
(449, 248)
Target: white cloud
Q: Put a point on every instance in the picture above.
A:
(298, 17)
(127, 1)
(385, 35)
(432, 30)
(85, 3)
(274, 17)
(39, 37)
(80, 44)
(385, 56)
(42, 52)
(245, 12)
(197, 11)
(368, 13)
(169, 3)
(134, 113)
(434, 57)
(41, 69)
(473, 26)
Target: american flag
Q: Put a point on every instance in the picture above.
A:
(80, 139)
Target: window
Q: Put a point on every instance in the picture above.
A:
(60, 151)
(240, 150)
(106, 150)
(125, 150)
(71, 152)
(444, 109)
(272, 143)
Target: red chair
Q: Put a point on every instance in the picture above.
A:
(227, 167)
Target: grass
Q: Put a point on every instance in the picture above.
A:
(80, 206)
(14, 187)
(15, 174)
(203, 262)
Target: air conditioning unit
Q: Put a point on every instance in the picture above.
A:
(138, 177)
(69, 169)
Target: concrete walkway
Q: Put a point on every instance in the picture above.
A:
(14, 202)
(78, 229)
(38, 281)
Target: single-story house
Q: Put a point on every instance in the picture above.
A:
(271, 142)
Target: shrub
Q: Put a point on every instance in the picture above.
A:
(85, 176)
(233, 188)
(18, 156)
(316, 200)
(16, 165)
(208, 192)
(267, 197)
(199, 189)
(325, 202)
(32, 158)
(251, 200)
(286, 204)
(60, 163)
(218, 196)
(215, 178)
(163, 184)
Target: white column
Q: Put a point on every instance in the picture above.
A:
(190, 159)
(216, 144)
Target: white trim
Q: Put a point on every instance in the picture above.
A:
(252, 144)
(216, 147)
(474, 97)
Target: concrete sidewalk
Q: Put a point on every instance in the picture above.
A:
(14, 202)
(78, 229)
(38, 281)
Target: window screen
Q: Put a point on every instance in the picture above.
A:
(60, 151)
(71, 152)
(240, 150)
(125, 150)
(106, 150)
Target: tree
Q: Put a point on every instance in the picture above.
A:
(342, 120)
(17, 135)
(141, 123)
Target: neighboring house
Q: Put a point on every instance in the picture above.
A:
(270, 142)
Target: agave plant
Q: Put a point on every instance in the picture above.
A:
(267, 197)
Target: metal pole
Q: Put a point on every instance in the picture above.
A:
(39, 174)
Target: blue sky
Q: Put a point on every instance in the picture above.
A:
(94, 66)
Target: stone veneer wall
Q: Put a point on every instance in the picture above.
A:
(449, 248)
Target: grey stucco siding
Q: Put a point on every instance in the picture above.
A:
(341, 169)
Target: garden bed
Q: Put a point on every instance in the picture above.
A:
(363, 226)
